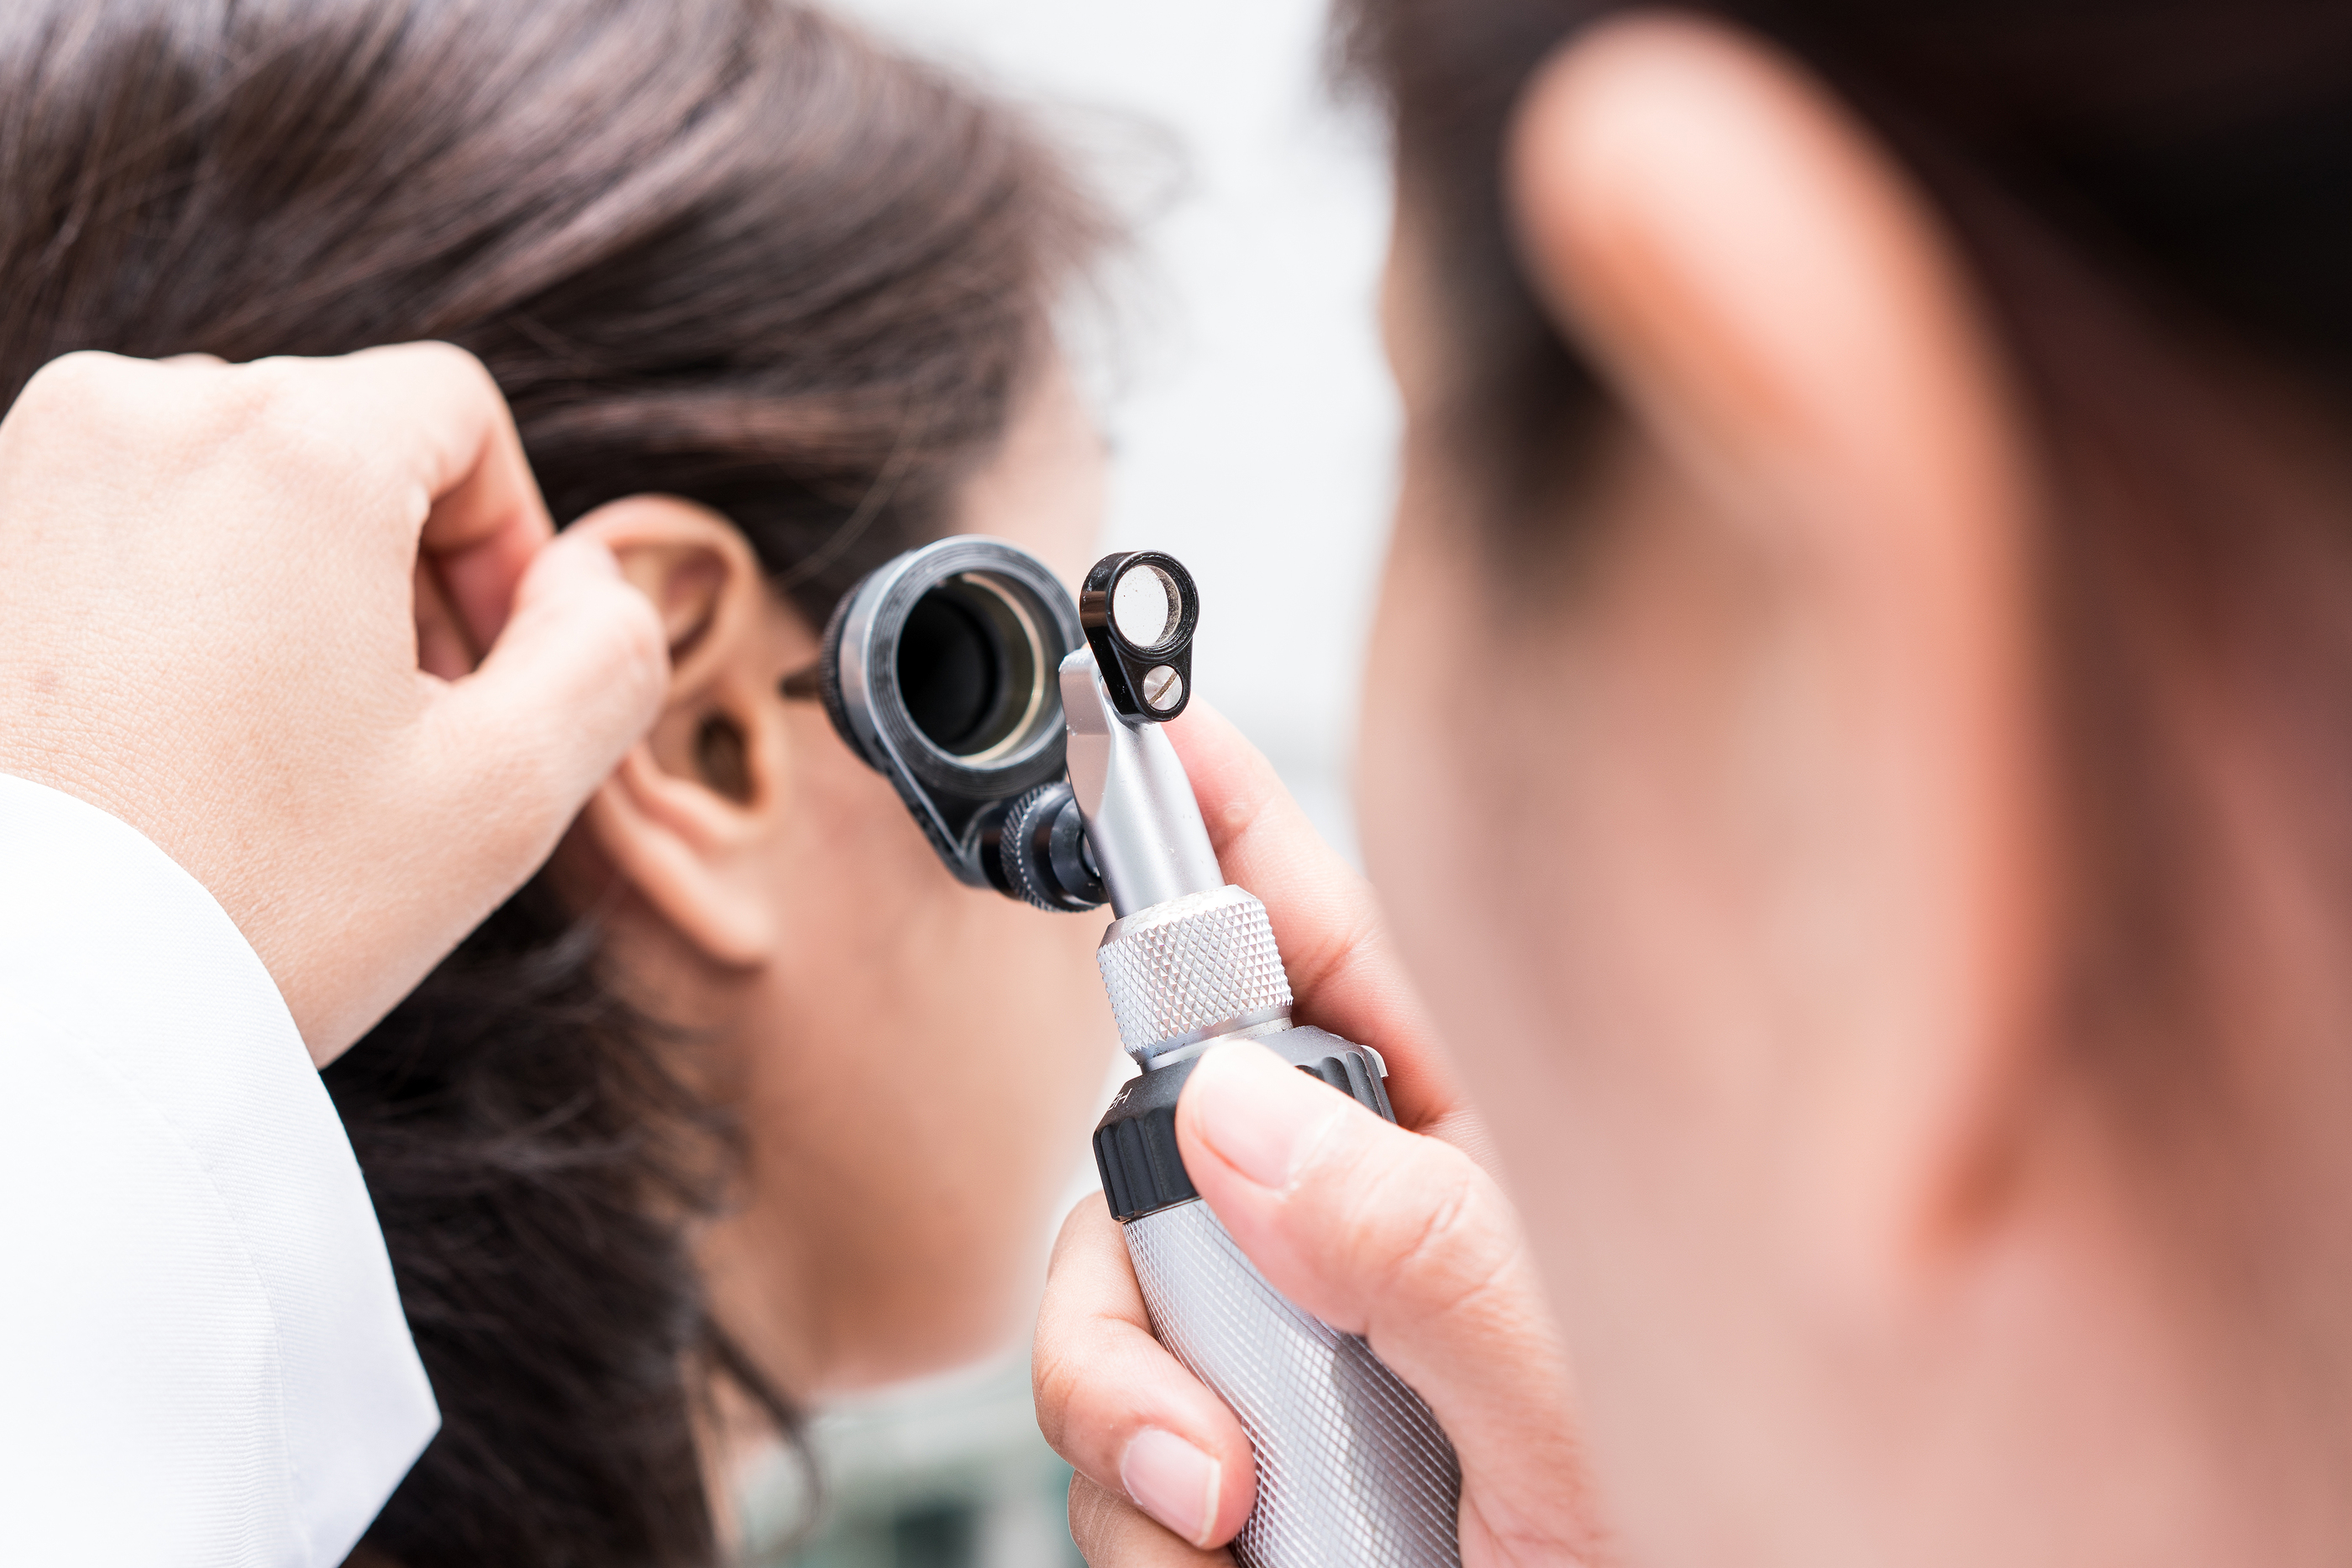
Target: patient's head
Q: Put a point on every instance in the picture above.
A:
(770, 304)
(1858, 747)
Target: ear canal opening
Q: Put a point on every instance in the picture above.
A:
(722, 757)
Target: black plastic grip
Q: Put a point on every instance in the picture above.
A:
(1135, 1142)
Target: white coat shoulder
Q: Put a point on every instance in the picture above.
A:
(202, 1355)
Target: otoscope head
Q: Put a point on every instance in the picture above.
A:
(948, 670)
(940, 670)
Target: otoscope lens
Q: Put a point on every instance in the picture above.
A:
(950, 672)
(1145, 606)
(971, 669)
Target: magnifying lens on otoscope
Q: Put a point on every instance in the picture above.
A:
(1022, 731)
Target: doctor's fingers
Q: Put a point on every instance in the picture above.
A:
(1126, 1413)
(416, 512)
(1112, 1533)
(574, 663)
(444, 431)
(1404, 1239)
(347, 466)
(1334, 947)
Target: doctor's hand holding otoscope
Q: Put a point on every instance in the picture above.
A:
(1397, 1233)
(1277, 1227)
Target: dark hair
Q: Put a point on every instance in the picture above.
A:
(2156, 197)
(729, 250)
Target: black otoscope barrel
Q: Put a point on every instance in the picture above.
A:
(1135, 1144)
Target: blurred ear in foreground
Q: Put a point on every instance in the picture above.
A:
(1789, 330)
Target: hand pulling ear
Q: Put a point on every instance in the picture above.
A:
(1788, 327)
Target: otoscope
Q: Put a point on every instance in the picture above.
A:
(1022, 731)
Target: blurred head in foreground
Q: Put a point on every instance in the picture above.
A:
(744, 1093)
(1876, 541)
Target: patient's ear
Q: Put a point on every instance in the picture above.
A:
(682, 817)
(1790, 328)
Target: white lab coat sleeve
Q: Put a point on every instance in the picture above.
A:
(203, 1359)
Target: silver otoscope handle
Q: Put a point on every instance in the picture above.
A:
(1351, 1467)
(1352, 1470)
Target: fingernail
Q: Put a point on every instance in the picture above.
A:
(1172, 1482)
(1258, 1113)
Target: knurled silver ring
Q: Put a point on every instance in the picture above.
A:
(1179, 968)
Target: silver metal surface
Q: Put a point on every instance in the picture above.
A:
(1141, 820)
(1189, 964)
(1163, 688)
(1352, 1470)
(1254, 1025)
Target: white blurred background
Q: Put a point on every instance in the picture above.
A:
(1254, 428)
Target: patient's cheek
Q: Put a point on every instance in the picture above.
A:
(923, 1063)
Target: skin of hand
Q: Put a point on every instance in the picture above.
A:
(1398, 1233)
(242, 602)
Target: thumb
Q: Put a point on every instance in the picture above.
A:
(577, 677)
(1401, 1238)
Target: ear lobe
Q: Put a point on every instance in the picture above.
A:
(1784, 318)
(685, 815)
